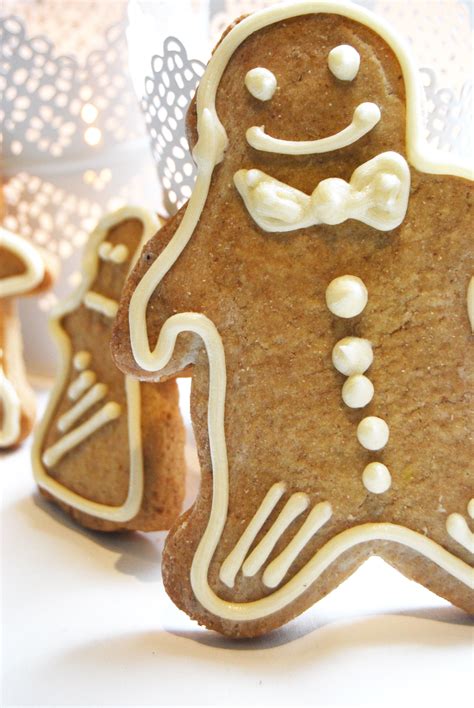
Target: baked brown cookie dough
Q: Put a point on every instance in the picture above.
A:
(317, 282)
(109, 449)
(24, 270)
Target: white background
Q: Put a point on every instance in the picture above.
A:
(86, 622)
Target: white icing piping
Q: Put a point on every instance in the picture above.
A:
(232, 564)
(456, 526)
(261, 83)
(344, 62)
(470, 303)
(96, 394)
(278, 568)
(101, 304)
(131, 505)
(365, 117)
(208, 152)
(377, 194)
(115, 254)
(295, 506)
(81, 360)
(81, 384)
(32, 260)
(10, 410)
(106, 414)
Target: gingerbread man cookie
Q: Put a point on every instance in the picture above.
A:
(109, 449)
(317, 282)
(24, 270)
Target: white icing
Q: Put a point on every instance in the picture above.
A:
(470, 303)
(261, 83)
(68, 442)
(119, 254)
(346, 296)
(104, 305)
(131, 505)
(295, 506)
(352, 355)
(116, 254)
(208, 152)
(456, 526)
(344, 62)
(277, 569)
(95, 394)
(377, 194)
(365, 117)
(373, 433)
(105, 249)
(10, 412)
(81, 384)
(32, 260)
(231, 565)
(357, 391)
(376, 478)
(81, 360)
(470, 508)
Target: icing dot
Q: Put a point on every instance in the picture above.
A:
(470, 508)
(352, 355)
(82, 360)
(346, 296)
(119, 254)
(376, 478)
(373, 433)
(367, 114)
(105, 249)
(357, 391)
(344, 62)
(261, 83)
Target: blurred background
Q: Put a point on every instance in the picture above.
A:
(93, 99)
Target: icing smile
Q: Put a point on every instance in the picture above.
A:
(366, 116)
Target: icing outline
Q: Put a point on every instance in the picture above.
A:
(90, 266)
(32, 259)
(11, 411)
(208, 152)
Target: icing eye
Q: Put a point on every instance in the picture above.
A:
(261, 83)
(344, 62)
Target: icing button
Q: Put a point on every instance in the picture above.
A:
(357, 391)
(352, 355)
(344, 62)
(373, 433)
(346, 296)
(376, 478)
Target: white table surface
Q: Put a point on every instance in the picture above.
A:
(86, 622)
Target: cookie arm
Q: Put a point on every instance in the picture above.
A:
(156, 316)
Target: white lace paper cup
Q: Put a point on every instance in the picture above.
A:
(74, 139)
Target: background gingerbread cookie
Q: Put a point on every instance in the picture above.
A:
(109, 449)
(317, 281)
(24, 270)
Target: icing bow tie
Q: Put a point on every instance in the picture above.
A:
(377, 194)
